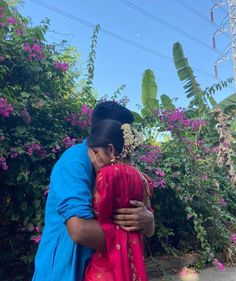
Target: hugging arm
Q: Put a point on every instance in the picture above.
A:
(72, 189)
(141, 217)
(135, 219)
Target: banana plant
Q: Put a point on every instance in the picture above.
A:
(202, 101)
(151, 105)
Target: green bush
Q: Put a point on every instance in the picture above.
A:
(40, 116)
(194, 199)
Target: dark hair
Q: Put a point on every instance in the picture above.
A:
(106, 132)
(111, 110)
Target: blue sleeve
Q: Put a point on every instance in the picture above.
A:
(71, 184)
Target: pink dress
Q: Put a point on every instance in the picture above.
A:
(115, 186)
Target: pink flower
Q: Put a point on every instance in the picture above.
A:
(36, 48)
(35, 148)
(3, 164)
(160, 173)
(36, 239)
(11, 20)
(25, 116)
(35, 51)
(204, 177)
(160, 183)
(222, 202)
(37, 229)
(85, 110)
(68, 142)
(27, 47)
(46, 192)
(2, 24)
(5, 107)
(14, 155)
(1, 9)
(56, 149)
(19, 31)
(219, 265)
(2, 58)
(233, 238)
(62, 66)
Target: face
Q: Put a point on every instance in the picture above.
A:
(103, 155)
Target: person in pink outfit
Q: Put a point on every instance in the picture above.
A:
(117, 182)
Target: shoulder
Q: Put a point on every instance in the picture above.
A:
(117, 170)
(75, 156)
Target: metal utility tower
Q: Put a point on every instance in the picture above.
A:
(232, 18)
(228, 24)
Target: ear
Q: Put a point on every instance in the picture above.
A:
(111, 150)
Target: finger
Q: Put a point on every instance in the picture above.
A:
(125, 211)
(126, 223)
(137, 203)
(125, 217)
(132, 228)
(92, 156)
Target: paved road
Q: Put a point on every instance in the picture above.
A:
(209, 274)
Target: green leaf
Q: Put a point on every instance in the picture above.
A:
(185, 73)
(228, 104)
(25, 94)
(137, 117)
(167, 102)
(149, 87)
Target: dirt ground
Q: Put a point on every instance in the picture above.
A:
(209, 274)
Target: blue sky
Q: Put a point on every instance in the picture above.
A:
(120, 63)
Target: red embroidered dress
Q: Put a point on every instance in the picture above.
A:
(115, 186)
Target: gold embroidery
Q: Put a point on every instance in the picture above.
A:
(118, 246)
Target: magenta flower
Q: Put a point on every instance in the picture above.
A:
(35, 51)
(2, 24)
(46, 192)
(27, 47)
(3, 164)
(5, 107)
(68, 142)
(19, 31)
(160, 173)
(2, 58)
(1, 9)
(36, 239)
(36, 48)
(62, 66)
(160, 183)
(219, 265)
(222, 202)
(11, 20)
(85, 109)
(204, 177)
(233, 238)
(25, 116)
(14, 155)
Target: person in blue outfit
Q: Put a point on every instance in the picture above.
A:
(71, 233)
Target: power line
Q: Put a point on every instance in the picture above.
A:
(223, 9)
(109, 33)
(170, 26)
(188, 7)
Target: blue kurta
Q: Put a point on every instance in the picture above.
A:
(58, 257)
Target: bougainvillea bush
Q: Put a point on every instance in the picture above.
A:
(40, 116)
(194, 199)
